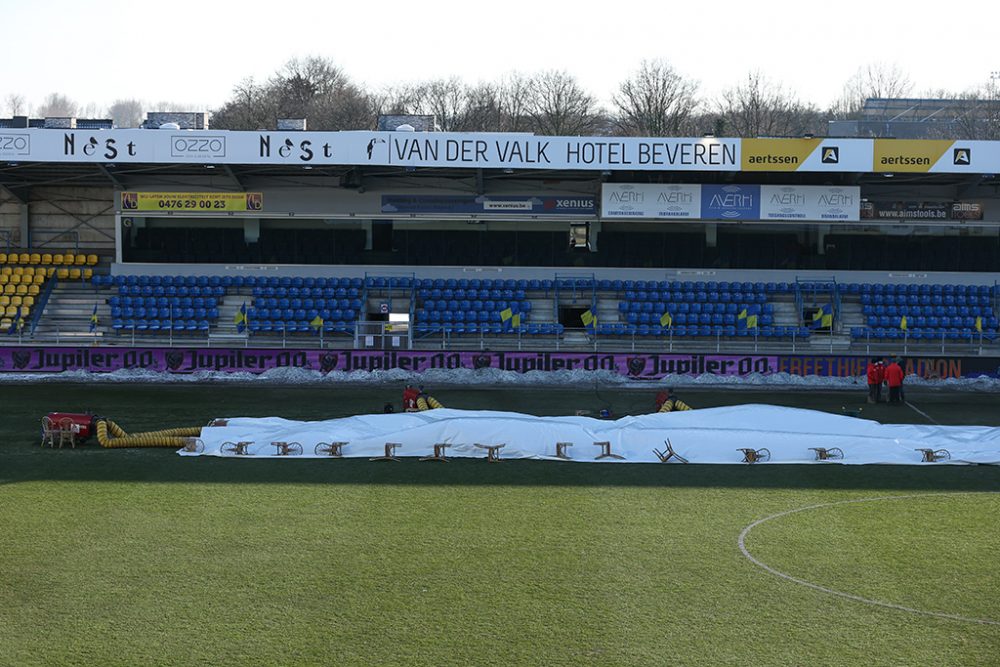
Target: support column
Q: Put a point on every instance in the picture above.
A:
(25, 226)
(595, 230)
(367, 226)
(821, 232)
(118, 238)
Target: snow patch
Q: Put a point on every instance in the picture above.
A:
(486, 377)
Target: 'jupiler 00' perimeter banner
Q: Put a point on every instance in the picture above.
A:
(638, 366)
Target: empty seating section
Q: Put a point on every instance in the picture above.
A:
(497, 307)
(291, 305)
(23, 275)
(150, 304)
(478, 306)
(931, 312)
(699, 309)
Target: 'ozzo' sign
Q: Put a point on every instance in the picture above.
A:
(15, 145)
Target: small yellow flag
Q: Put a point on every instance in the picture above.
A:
(751, 322)
(506, 314)
(666, 320)
(317, 322)
(587, 318)
(515, 321)
(979, 324)
(902, 323)
(743, 314)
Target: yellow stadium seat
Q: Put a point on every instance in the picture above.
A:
(68, 259)
(18, 271)
(28, 271)
(9, 312)
(35, 258)
(15, 279)
(27, 301)
(39, 277)
(7, 270)
(4, 278)
(81, 260)
(49, 272)
(4, 302)
(93, 260)
(24, 258)
(46, 258)
(21, 289)
(57, 260)
(74, 274)
(8, 289)
(15, 301)
(88, 274)
(34, 290)
(62, 274)
(3, 258)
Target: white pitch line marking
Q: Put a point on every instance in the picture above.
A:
(857, 598)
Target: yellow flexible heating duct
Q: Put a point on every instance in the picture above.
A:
(110, 434)
(428, 403)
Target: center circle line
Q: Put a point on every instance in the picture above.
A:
(741, 542)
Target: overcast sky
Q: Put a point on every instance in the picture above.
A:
(194, 52)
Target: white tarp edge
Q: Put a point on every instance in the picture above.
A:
(702, 436)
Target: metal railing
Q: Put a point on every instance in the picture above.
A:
(579, 339)
(43, 299)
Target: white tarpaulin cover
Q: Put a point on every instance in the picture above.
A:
(702, 436)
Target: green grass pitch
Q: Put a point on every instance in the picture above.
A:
(141, 557)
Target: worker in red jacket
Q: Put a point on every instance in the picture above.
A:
(410, 395)
(876, 375)
(894, 378)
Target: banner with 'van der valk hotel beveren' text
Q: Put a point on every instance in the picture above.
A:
(643, 201)
(491, 150)
(480, 150)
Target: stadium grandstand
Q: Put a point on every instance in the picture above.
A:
(922, 118)
(175, 234)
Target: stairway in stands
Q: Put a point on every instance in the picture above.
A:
(67, 314)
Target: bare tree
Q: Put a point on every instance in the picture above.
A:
(247, 109)
(57, 106)
(483, 111)
(656, 101)
(397, 100)
(761, 108)
(515, 100)
(876, 80)
(90, 110)
(316, 89)
(126, 113)
(17, 105)
(446, 100)
(559, 106)
(166, 106)
(312, 88)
